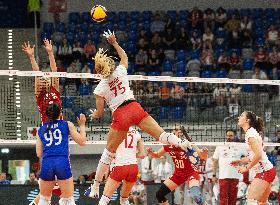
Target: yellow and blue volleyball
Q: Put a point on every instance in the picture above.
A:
(98, 13)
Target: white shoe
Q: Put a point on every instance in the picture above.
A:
(185, 144)
(94, 193)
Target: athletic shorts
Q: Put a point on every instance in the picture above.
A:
(58, 166)
(126, 172)
(267, 176)
(182, 178)
(127, 116)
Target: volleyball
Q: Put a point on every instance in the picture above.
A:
(98, 13)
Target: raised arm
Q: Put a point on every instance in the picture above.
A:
(49, 48)
(29, 51)
(157, 154)
(79, 138)
(111, 38)
(98, 113)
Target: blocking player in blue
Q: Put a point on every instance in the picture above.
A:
(52, 146)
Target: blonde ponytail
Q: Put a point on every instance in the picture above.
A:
(104, 65)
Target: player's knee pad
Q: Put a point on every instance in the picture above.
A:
(197, 195)
(107, 157)
(252, 202)
(67, 201)
(161, 193)
(44, 200)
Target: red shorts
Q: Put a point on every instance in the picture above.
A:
(267, 176)
(126, 172)
(128, 115)
(180, 178)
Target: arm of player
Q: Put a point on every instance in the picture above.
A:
(98, 113)
(255, 146)
(141, 149)
(157, 154)
(39, 147)
(111, 38)
(29, 51)
(202, 153)
(79, 138)
(49, 49)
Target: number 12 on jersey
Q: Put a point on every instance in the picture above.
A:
(128, 141)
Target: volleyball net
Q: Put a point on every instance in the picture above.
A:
(207, 107)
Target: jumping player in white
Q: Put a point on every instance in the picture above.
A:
(114, 89)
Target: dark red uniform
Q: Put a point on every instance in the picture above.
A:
(44, 99)
(184, 169)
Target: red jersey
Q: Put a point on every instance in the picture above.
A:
(44, 99)
(180, 160)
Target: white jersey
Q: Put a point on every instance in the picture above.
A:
(126, 152)
(115, 89)
(264, 164)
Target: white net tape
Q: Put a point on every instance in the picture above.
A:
(141, 77)
(152, 143)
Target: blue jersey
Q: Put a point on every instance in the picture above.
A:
(193, 156)
(56, 140)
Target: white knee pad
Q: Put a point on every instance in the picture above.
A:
(67, 201)
(252, 202)
(44, 200)
(124, 201)
(107, 157)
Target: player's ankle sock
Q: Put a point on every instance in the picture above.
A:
(169, 138)
(103, 165)
(104, 200)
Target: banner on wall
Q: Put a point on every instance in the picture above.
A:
(57, 6)
(32, 132)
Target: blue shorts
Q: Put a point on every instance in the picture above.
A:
(58, 166)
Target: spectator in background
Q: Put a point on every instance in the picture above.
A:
(246, 39)
(72, 68)
(228, 175)
(207, 59)
(223, 61)
(233, 24)
(220, 93)
(84, 87)
(77, 51)
(190, 91)
(234, 61)
(208, 38)
(60, 66)
(246, 24)
(89, 49)
(234, 94)
(234, 39)
(209, 19)
(32, 179)
(193, 64)
(177, 94)
(141, 60)
(258, 73)
(142, 44)
(3, 179)
(57, 37)
(195, 40)
(156, 41)
(272, 157)
(221, 17)
(157, 24)
(86, 69)
(261, 57)
(148, 165)
(183, 40)
(274, 58)
(272, 36)
(153, 61)
(65, 52)
(169, 39)
(164, 94)
(196, 19)
(143, 34)
(81, 180)
(277, 140)
(163, 170)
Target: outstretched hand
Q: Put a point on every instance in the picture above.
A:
(28, 49)
(48, 45)
(111, 38)
(81, 120)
